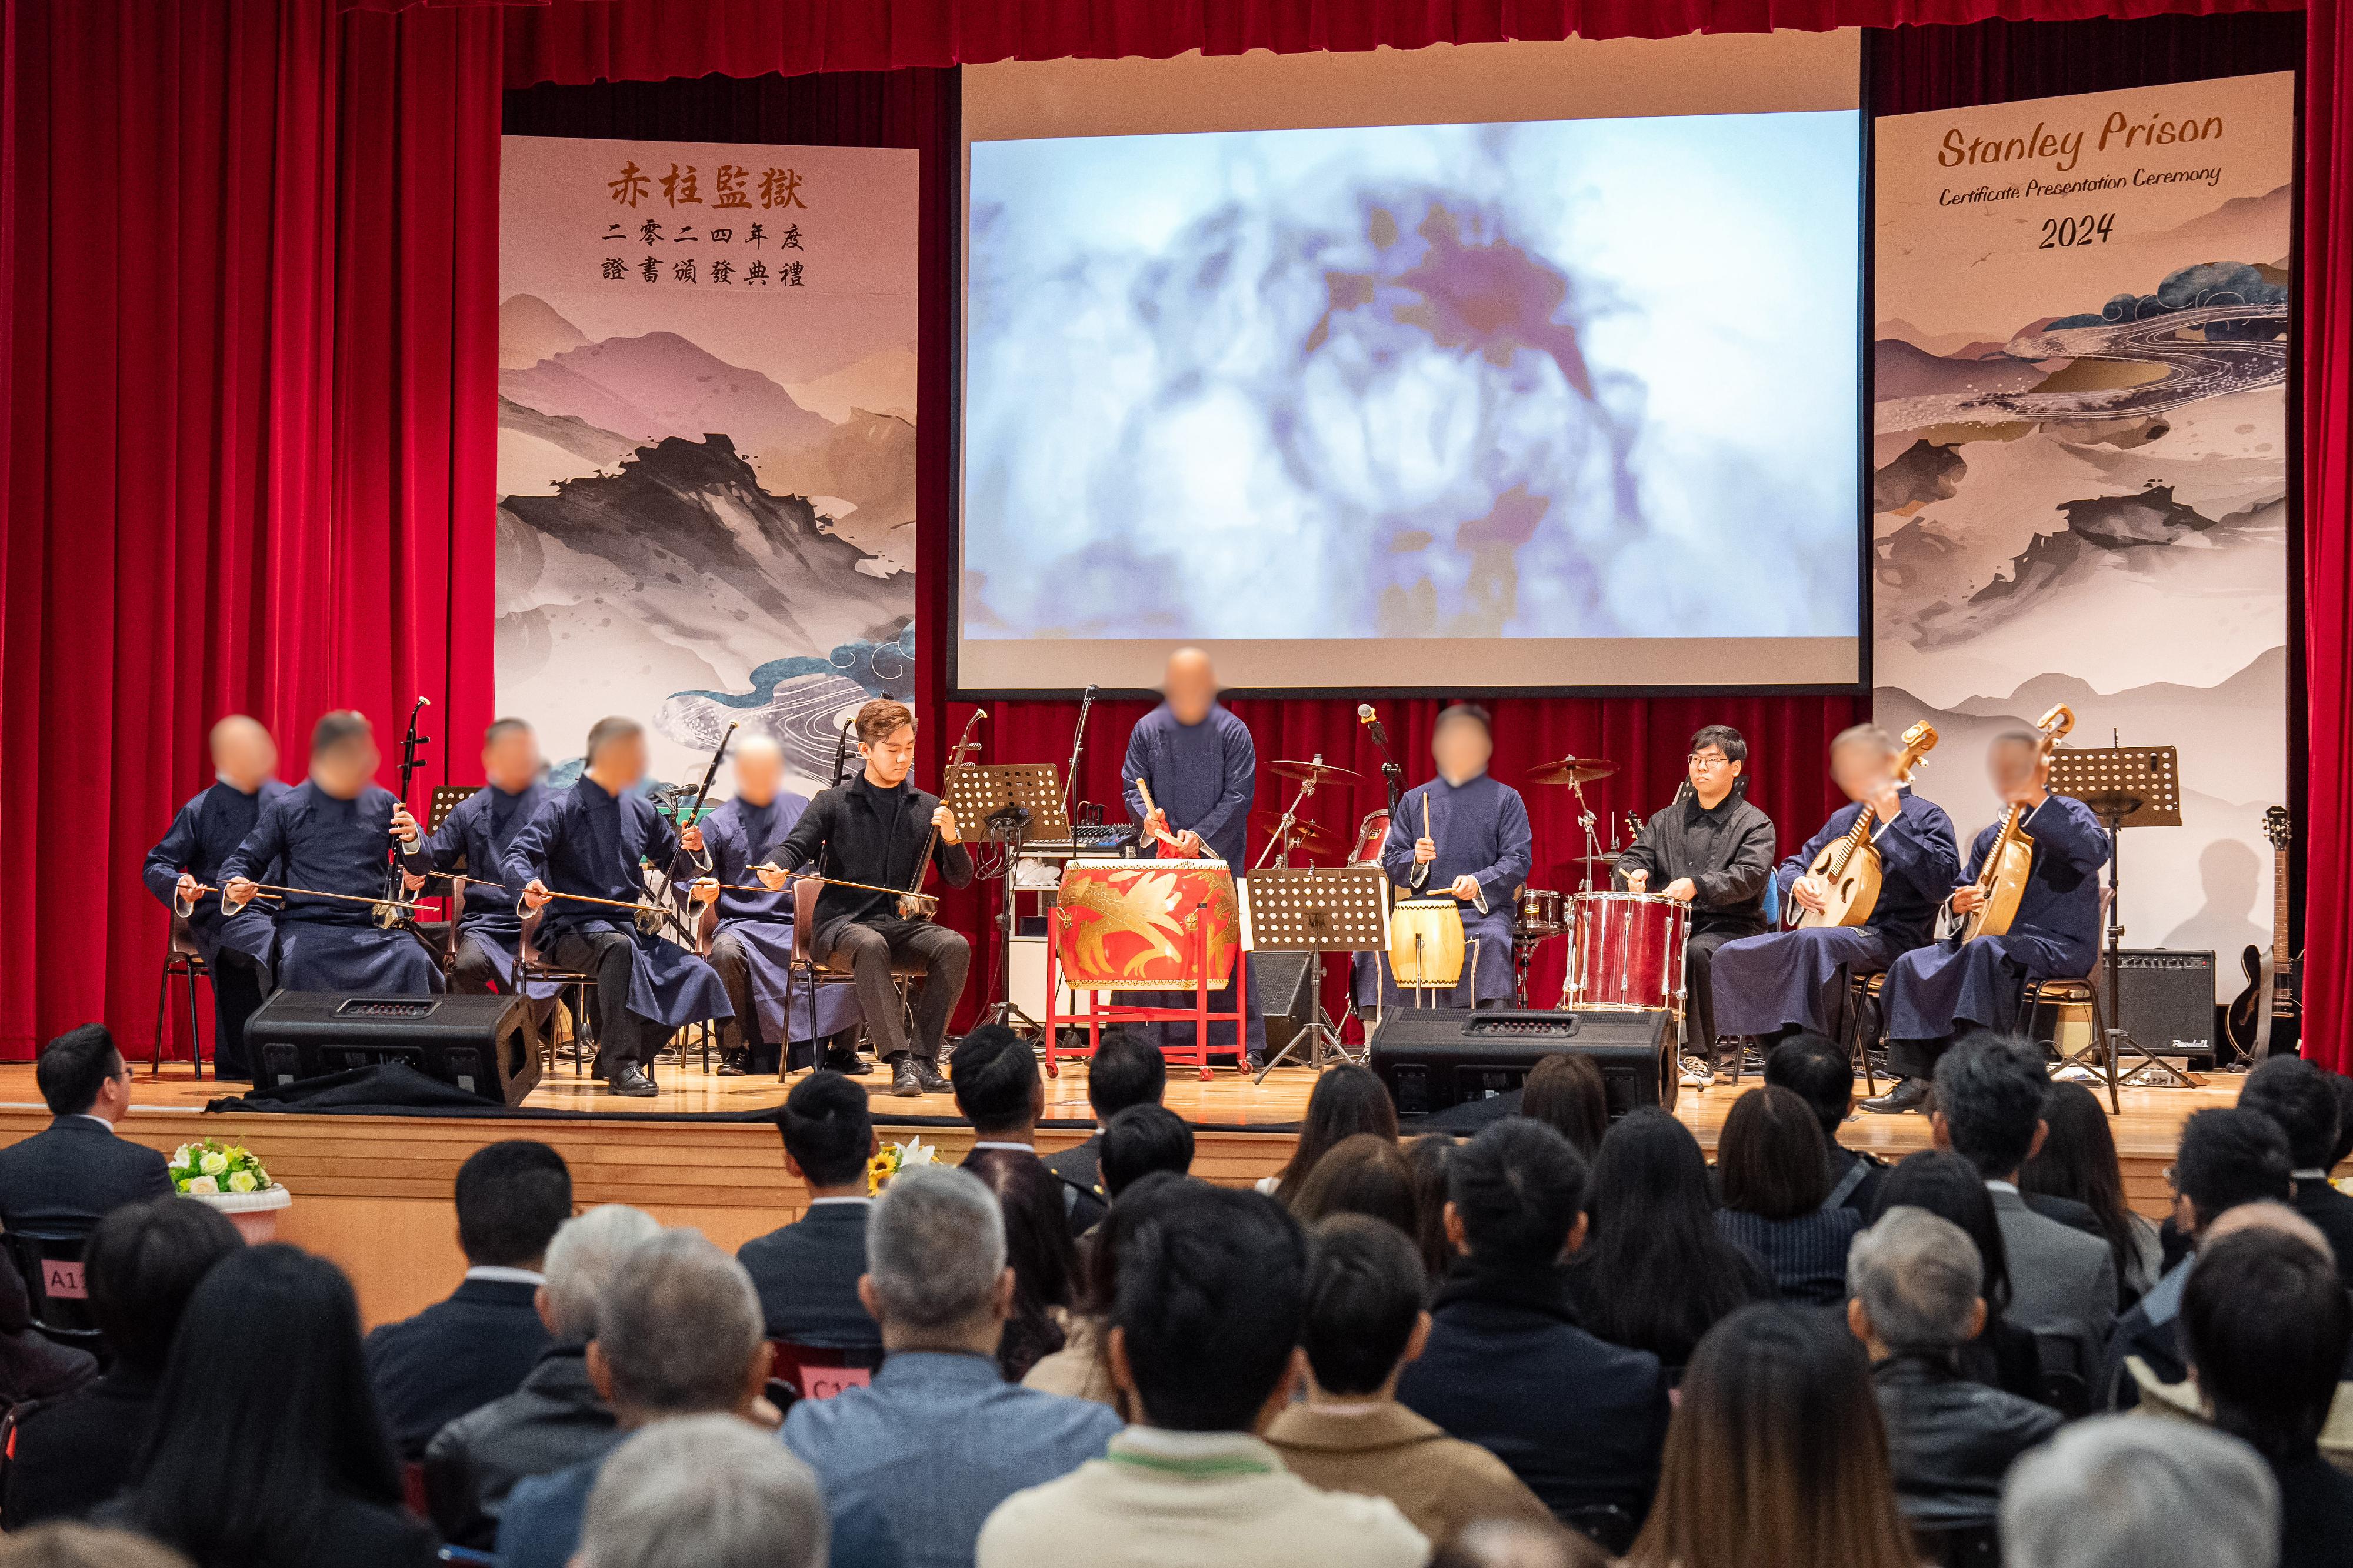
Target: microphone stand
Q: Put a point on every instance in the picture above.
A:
(1078, 749)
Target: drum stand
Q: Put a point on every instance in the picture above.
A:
(1317, 910)
(1586, 820)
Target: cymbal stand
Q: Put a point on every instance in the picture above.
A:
(1280, 844)
(1586, 820)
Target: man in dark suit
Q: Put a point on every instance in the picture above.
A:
(480, 1343)
(1126, 1069)
(994, 1075)
(2299, 1097)
(806, 1273)
(65, 1178)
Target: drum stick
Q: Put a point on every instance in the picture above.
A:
(1144, 790)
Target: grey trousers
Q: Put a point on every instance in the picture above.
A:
(869, 950)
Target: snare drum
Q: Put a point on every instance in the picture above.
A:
(1626, 953)
(1538, 913)
(1370, 835)
(1426, 943)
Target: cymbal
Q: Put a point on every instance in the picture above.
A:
(1572, 771)
(1606, 857)
(1313, 773)
(1304, 835)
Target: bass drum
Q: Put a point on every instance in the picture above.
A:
(1626, 953)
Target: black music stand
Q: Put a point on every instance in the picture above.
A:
(1315, 910)
(1013, 803)
(2126, 786)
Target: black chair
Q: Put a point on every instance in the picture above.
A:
(184, 963)
(2082, 992)
(1609, 1527)
(813, 971)
(1865, 1022)
(1960, 1545)
(50, 1265)
(530, 969)
(2066, 1381)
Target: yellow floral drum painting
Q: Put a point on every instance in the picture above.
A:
(1128, 925)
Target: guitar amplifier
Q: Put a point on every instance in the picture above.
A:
(1434, 1058)
(2166, 998)
(477, 1044)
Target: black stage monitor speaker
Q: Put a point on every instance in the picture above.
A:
(2166, 999)
(1434, 1058)
(477, 1043)
(1286, 998)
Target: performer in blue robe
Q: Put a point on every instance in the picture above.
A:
(475, 836)
(1787, 979)
(1935, 993)
(333, 833)
(596, 840)
(1477, 852)
(751, 944)
(1201, 767)
(235, 948)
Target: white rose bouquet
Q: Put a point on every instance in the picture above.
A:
(210, 1168)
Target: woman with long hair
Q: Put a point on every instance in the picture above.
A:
(1362, 1174)
(1565, 1093)
(1347, 1100)
(1040, 1252)
(1776, 1172)
(266, 1450)
(1655, 1272)
(2078, 1162)
(2003, 1355)
(1429, 1159)
(1776, 1454)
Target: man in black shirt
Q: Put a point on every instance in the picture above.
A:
(872, 830)
(1712, 850)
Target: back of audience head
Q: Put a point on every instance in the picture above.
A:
(1365, 1174)
(1567, 1094)
(2123, 1492)
(2078, 1157)
(1817, 1071)
(1518, 1543)
(1430, 1158)
(1363, 1314)
(1044, 1259)
(935, 1271)
(511, 1198)
(995, 1074)
(1098, 1288)
(1770, 1157)
(1515, 1197)
(2264, 1326)
(1139, 1140)
(705, 1489)
(1950, 1188)
(2298, 1096)
(1347, 1100)
(142, 1263)
(2227, 1157)
(1776, 1454)
(827, 1130)
(1127, 1069)
(677, 1333)
(1665, 1272)
(1915, 1284)
(74, 1068)
(2342, 1150)
(1989, 1094)
(581, 1262)
(1210, 1286)
(66, 1543)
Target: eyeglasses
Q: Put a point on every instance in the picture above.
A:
(1708, 760)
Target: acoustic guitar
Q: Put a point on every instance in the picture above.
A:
(1848, 863)
(2244, 1023)
(2002, 882)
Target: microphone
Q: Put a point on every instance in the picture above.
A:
(1366, 717)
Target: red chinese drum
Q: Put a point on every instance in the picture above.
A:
(1138, 925)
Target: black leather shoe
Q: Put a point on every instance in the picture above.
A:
(849, 1064)
(735, 1063)
(928, 1074)
(632, 1083)
(904, 1082)
(1909, 1094)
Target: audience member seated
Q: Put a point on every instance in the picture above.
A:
(999, 1092)
(1043, 1257)
(1126, 1070)
(1777, 1455)
(1347, 1100)
(556, 1418)
(1655, 1272)
(1565, 1093)
(1775, 1175)
(1081, 1368)
(1431, 1157)
(67, 1545)
(2303, 1098)
(267, 1451)
(806, 1273)
(2119, 1492)
(480, 1343)
(1579, 1420)
(1817, 1071)
(2078, 1165)
(1363, 1324)
(2003, 1355)
(1517, 1543)
(1917, 1297)
(143, 1263)
(1139, 1140)
(709, 1491)
(2062, 1281)
(1202, 1340)
(2265, 1324)
(940, 1438)
(2227, 1157)
(75, 1172)
(1363, 1173)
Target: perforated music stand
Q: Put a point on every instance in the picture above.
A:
(2126, 786)
(447, 798)
(1013, 803)
(1315, 910)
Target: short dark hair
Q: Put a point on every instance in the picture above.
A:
(996, 1078)
(1818, 1072)
(1565, 1093)
(338, 727)
(1724, 738)
(74, 1066)
(1989, 1090)
(2298, 1096)
(1139, 1140)
(604, 732)
(1365, 1287)
(1211, 1283)
(828, 1128)
(2229, 1156)
(2266, 1324)
(1465, 710)
(144, 1261)
(882, 718)
(502, 728)
(1518, 1188)
(1126, 1069)
(1771, 1157)
(512, 1197)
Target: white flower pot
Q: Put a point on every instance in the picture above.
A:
(255, 1215)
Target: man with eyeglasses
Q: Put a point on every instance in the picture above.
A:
(1712, 850)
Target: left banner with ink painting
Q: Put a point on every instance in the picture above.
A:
(706, 440)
